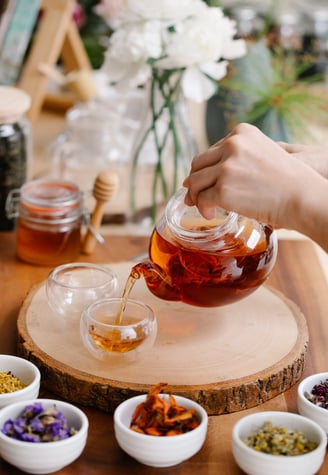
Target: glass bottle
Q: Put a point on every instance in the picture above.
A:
(15, 146)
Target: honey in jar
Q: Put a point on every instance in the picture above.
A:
(49, 216)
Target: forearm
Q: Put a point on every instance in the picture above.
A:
(311, 213)
(313, 155)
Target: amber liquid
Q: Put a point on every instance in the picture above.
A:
(46, 247)
(112, 340)
(207, 279)
(126, 292)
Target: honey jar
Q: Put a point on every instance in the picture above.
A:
(49, 216)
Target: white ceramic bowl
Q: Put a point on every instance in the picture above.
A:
(26, 372)
(71, 287)
(125, 341)
(158, 451)
(43, 457)
(258, 463)
(306, 407)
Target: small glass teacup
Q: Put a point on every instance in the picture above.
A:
(112, 327)
(71, 287)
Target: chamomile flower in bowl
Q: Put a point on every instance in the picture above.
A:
(278, 443)
(19, 380)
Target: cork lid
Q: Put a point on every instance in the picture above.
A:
(13, 102)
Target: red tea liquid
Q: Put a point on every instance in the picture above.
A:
(207, 279)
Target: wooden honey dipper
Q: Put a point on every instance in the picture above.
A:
(103, 189)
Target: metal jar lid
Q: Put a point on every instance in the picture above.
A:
(46, 201)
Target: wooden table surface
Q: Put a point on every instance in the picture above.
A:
(297, 274)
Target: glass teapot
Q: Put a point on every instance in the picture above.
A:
(206, 263)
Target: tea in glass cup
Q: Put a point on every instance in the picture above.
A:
(117, 326)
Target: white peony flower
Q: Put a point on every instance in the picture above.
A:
(197, 86)
(108, 9)
(170, 35)
(165, 10)
(128, 53)
(200, 39)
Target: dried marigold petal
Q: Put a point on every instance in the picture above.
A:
(160, 416)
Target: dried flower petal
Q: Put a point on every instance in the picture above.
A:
(38, 425)
(9, 383)
(319, 394)
(158, 417)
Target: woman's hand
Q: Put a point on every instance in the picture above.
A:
(274, 183)
(245, 172)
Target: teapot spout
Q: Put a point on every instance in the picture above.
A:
(156, 280)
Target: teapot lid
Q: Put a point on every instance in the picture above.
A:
(186, 222)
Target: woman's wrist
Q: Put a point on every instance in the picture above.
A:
(311, 214)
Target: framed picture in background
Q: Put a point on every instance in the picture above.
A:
(17, 22)
(37, 36)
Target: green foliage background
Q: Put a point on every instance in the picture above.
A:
(94, 33)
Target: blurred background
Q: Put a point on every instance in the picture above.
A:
(280, 85)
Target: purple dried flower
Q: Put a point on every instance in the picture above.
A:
(28, 437)
(32, 410)
(7, 426)
(319, 390)
(37, 425)
(60, 417)
(18, 425)
(319, 394)
(56, 430)
(61, 433)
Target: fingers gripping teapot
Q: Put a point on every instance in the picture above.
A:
(206, 263)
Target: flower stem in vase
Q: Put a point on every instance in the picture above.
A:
(172, 151)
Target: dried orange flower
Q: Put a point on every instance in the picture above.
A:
(161, 417)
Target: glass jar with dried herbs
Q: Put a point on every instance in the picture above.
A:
(15, 146)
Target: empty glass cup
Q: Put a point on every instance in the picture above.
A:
(71, 287)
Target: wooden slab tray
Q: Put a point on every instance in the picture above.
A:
(226, 358)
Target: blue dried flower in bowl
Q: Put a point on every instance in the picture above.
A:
(36, 424)
(43, 435)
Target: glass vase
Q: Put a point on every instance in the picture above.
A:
(163, 149)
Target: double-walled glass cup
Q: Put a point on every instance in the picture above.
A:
(118, 329)
(71, 287)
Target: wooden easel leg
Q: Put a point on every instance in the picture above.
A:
(73, 53)
(56, 37)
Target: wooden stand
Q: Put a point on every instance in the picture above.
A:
(226, 358)
(56, 37)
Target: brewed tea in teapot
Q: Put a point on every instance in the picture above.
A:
(206, 263)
